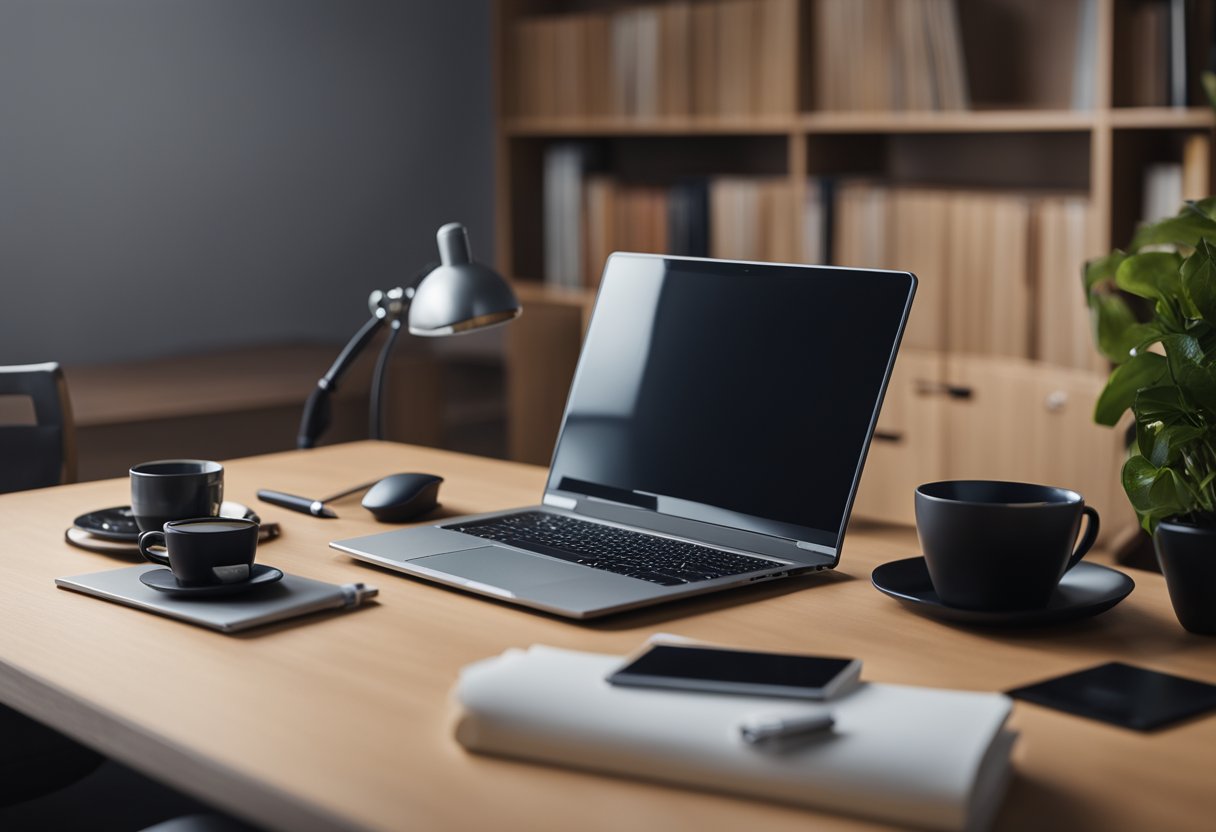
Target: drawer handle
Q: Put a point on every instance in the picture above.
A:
(888, 436)
(1056, 401)
(940, 388)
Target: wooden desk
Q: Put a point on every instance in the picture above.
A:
(346, 722)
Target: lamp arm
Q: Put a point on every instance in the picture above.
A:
(375, 406)
(317, 409)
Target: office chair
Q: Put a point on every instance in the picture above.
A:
(44, 453)
(34, 759)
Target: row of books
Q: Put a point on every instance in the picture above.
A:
(1000, 271)
(732, 218)
(1168, 184)
(888, 55)
(1161, 46)
(713, 57)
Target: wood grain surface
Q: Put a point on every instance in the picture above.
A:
(346, 721)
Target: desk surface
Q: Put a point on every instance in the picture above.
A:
(347, 722)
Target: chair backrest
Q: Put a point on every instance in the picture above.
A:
(44, 453)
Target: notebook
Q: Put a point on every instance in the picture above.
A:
(291, 597)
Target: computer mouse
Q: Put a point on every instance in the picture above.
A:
(402, 497)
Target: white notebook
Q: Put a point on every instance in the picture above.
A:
(923, 757)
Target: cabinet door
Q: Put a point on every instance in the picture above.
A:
(907, 446)
(1028, 422)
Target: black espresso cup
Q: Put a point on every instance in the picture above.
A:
(1000, 545)
(204, 551)
(172, 489)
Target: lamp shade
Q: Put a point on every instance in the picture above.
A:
(459, 295)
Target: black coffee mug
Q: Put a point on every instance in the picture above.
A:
(1000, 545)
(204, 551)
(172, 489)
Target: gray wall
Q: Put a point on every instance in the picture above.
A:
(178, 175)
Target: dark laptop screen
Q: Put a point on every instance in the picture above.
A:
(737, 394)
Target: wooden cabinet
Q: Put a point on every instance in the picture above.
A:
(909, 442)
(985, 417)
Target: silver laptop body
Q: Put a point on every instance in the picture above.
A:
(716, 403)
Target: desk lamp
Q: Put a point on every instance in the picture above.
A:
(453, 298)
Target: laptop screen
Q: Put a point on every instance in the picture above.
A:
(738, 394)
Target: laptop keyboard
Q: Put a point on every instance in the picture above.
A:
(647, 557)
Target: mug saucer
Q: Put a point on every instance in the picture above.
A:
(118, 523)
(1085, 590)
(162, 580)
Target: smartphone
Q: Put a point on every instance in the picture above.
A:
(722, 670)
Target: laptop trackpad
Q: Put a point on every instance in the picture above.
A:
(504, 568)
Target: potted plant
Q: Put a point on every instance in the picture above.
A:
(1164, 349)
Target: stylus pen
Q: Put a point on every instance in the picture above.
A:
(763, 729)
(301, 504)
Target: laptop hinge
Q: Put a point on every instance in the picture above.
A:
(557, 501)
(815, 547)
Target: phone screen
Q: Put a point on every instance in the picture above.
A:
(707, 668)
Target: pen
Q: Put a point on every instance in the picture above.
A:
(301, 504)
(762, 729)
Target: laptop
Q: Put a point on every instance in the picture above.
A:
(714, 437)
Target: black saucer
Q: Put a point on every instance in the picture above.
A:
(119, 524)
(1086, 589)
(162, 580)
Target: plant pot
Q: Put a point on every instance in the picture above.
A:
(1187, 554)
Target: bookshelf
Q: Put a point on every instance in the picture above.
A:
(1032, 111)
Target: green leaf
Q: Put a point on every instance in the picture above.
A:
(1102, 269)
(1114, 324)
(1138, 476)
(1207, 206)
(1144, 370)
(1154, 274)
(1199, 280)
(1208, 80)
(1160, 404)
(1164, 445)
(1192, 370)
(1155, 493)
(1185, 229)
(1168, 495)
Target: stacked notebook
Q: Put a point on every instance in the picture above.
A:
(920, 757)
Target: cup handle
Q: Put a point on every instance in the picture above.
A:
(1091, 534)
(150, 539)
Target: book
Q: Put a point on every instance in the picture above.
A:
(923, 757)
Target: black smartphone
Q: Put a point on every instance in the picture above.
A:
(722, 670)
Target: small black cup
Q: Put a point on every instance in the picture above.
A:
(1000, 545)
(204, 551)
(172, 489)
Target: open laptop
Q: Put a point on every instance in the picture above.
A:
(714, 437)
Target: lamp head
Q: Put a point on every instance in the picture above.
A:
(460, 296)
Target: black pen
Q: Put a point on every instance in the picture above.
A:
(301, 504)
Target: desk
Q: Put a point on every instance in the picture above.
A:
(347, 722)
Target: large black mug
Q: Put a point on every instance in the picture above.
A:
(172, 489)
(204, 551)
(1000, 545)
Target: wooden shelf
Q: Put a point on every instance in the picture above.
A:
(1162, 118)
(958, 121)
(534, 291)
(965, 121)
(665, 126)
